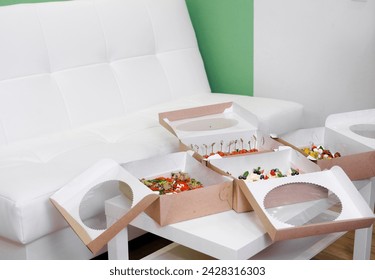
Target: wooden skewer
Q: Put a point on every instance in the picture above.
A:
(255, 141)
(229, 145)
(212, 147)
(206, 147)
(197, 147)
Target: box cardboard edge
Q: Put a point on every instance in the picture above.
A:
(98, 243)
(270, 229)
(322, 228)
(192, 112)
(159, 210)
(77, 228)
(358, 166)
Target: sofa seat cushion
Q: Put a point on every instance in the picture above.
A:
(31, 171)
(25, 188)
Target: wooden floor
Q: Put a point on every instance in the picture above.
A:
(342, 249)
(142, 246)
(145, 245)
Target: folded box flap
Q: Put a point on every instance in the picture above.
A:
(98, 243)
(195, 112)
(67, 201)
(165, 118)
(208, 120)
(340, 207)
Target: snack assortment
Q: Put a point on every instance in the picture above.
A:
(319, 152)
(178, 182)
(234, 147)
(259, 174)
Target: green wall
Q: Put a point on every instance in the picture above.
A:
(224, 30)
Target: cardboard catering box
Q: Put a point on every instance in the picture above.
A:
(343, 209)
(284, 159)
(225, 129)
(215, 196)
(310, 203)
(357, 159)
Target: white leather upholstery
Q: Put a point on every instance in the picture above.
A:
(95, 65)
(85, 80)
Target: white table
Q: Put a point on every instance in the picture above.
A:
(227, 235)
(344, 123)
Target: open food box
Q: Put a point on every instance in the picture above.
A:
(291, 195)
(224, 129)
(260, 166)
(321, 144)
(214, 196)
(179, 186)
(309, 204)
(170, 189)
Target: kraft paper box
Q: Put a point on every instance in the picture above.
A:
(357, 159)
(104, 174)
(343, 209)
(214, 197)
(284, 159)
(224, 128)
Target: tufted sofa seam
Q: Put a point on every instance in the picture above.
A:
(152, 26)
(50, 67)
(166, 76)
(44, 38)
(93, 3)
(156, 49)
(107, 56)
(94, 64)
(64, 100)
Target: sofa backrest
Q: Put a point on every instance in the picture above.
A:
(67, 64)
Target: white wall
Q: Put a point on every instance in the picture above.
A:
(320, 53)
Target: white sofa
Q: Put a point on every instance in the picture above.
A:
(85, 80)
